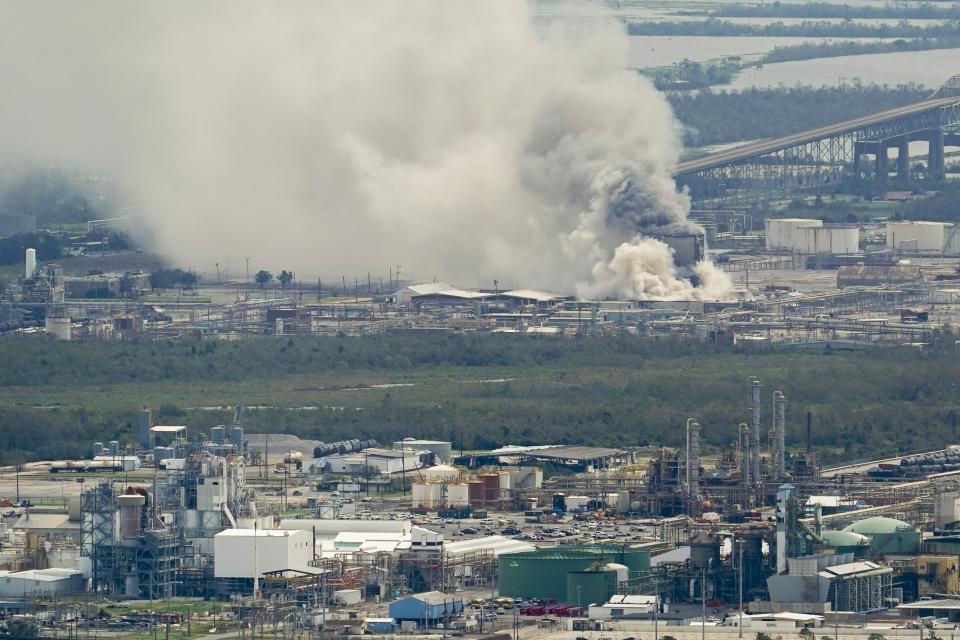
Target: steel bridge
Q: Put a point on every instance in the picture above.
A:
(813, 159)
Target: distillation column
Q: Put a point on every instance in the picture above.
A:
(754, 388)
(693, 461)
(779, 435)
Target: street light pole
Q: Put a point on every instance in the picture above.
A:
(656, 607)
(740, 624)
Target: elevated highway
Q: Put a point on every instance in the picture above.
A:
(829, 154)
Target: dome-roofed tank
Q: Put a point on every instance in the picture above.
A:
(887, 535)
(847, 541)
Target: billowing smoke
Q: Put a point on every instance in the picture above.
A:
(455, 138)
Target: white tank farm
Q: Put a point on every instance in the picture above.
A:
(808, 236)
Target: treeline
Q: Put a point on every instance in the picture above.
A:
(172, 278)
(13, 248)
(828, 10)
(477, 390)
(942, 206)
(54, 196)
(715, 117)
(714, 27)
(813, 50)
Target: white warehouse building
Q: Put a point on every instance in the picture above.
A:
(240, 553)
(809, 236)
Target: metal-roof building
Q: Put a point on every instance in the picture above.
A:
(430, 607)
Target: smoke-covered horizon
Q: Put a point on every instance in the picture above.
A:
(456, 139)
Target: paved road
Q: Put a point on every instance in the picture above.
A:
(768, 146)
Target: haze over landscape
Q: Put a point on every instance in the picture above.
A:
(460, 140)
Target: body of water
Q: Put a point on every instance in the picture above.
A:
(927, 68)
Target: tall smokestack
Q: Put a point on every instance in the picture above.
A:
(693, 460)
(779, 434)
(30, 264)
(809, 431)
(753, 403)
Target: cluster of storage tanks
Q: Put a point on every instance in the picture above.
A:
(447, 490)
(226, 436)
(619, 500)
(809, 236)
(341, 447)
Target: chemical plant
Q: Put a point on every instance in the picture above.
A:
(354, 537)
(796, 283)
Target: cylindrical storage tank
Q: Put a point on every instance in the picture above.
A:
(475, 488)
(427, 495)
(458, 494)
(97, 449)
(130, 508)
(114, 448)
(590, 587)
(787, 234)
(218, 435)
(504, 480)
(623, 501)
(236, 436)
(30, 264)
(916, 236)
(442, 473)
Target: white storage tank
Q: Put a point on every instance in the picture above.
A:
(458, 494)
(787, 234)
(916, 236)
(835, 240)
(441, 472)
(427, 495)
(30, 264)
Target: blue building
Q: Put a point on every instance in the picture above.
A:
(380, 625)
(430, 607)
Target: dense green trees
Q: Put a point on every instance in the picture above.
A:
(476, 390)
(48, 246)
(713, 117)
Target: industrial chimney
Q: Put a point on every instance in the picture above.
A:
(30, 264)
(779, 434)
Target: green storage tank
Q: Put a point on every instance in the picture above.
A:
(888, 535)
(543, 573)
(595, 586)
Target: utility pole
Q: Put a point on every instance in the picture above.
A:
(248, 269)
(218, 272)
(740, 581)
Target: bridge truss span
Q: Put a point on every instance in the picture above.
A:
(813, 159)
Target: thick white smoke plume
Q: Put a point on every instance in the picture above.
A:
(331, 138)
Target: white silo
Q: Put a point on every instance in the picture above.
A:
(30, 263)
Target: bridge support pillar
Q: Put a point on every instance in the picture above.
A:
(935, 156)
(882, 166)
(903, 160)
